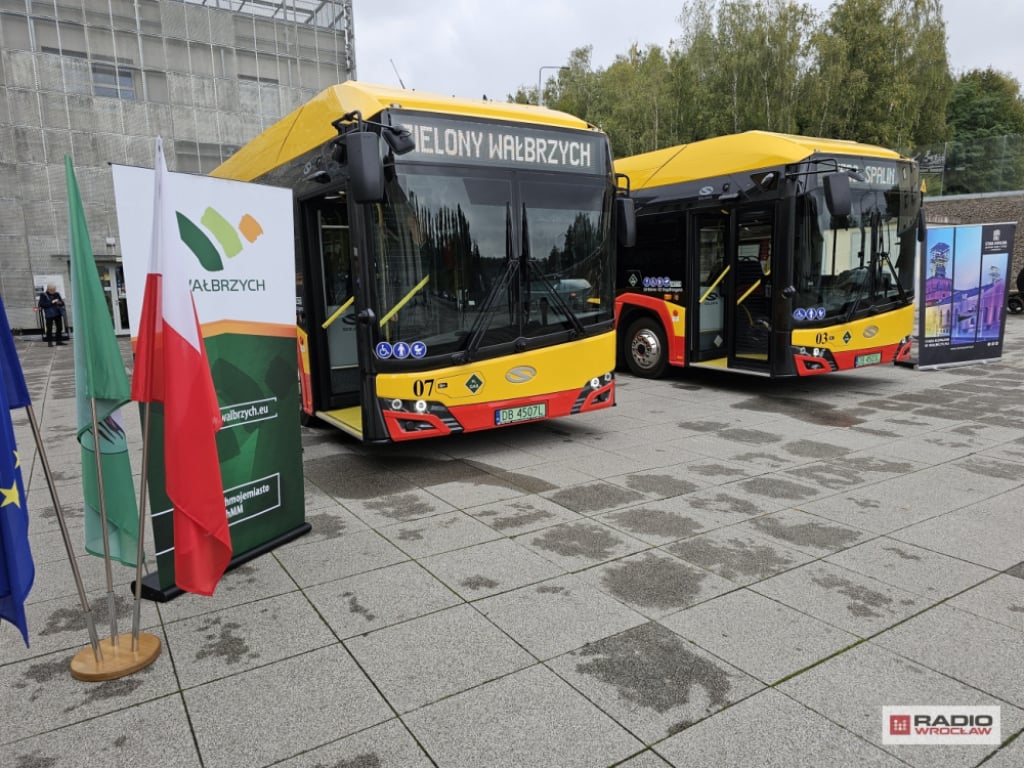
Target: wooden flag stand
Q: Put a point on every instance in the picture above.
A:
(119, 659)
(119, 654)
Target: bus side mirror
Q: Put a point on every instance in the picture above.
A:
(625, 221)
(365, 167)
(837, 194)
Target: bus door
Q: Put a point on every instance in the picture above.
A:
(708, 338)
(333, 322)
(730, 322)
(751, 291)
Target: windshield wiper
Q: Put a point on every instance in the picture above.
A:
(483, 318)
(532, 268)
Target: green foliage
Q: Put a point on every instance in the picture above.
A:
(869, 70)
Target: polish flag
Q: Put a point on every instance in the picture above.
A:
(171, 368)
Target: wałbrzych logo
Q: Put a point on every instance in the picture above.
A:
(223, 232)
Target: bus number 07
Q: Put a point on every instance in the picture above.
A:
(422, 387)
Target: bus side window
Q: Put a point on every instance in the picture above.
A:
(660, 249)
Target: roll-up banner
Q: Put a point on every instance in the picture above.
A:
(964, 284)
(238, 241)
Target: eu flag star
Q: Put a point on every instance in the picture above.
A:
(11, 496)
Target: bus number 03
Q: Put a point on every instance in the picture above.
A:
(821, 338)
(422, 387)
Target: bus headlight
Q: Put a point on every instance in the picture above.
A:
(396, 404)
(595, 383)
(421, 406)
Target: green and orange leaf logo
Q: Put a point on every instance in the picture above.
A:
(226, 235)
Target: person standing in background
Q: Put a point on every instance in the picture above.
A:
(52, 305)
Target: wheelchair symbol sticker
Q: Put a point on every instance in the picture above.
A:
(384, 350)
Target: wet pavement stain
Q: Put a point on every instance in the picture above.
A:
(327, 526)
(120, 741)
(1001, 470)
(594, 497)
(35, 760)
(664, 486)
(705, 426)
(808, 411)
(478, 582)
(902, 554)
(578, 540)
(654, 668)
(41, 674)
(551, 589)
(876, 464)
(654, 581)
(734, 559)
(723, 502)
(814, 450)
(827, 475)
(749, 436)
(876, 432)
(527, 483)
(716, 470)
(655, 522)
(112, 689)
(777, 488)
(524, 514)
(223, 643)
(354, 606)
(404, 506)
(410, 534)
(363, 760)
(755, 458)
(863, 601)
(809, 534)
(1016, 570)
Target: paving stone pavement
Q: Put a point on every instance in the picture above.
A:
(721, 571)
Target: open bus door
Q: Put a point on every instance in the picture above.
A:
(730, 312)
(331, 261)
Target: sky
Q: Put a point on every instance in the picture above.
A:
(475, 48)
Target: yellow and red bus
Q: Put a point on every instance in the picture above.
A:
(769, 254)
(454, 259)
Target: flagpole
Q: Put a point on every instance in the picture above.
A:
(94, 639)
(114, 639)
(136, 608)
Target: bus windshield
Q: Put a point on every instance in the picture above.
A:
(851, 266)
(471, 259)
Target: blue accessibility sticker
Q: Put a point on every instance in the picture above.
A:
(799, 313)
(401, 350)
(383, 350)
(418, 349)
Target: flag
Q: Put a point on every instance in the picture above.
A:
(17, 572)
(171, 367)
(99, 376)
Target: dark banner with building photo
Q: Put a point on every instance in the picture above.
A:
(965, 282)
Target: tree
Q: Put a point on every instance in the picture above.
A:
(986, 118)
(879, 73)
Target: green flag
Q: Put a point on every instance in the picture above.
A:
(99, 375)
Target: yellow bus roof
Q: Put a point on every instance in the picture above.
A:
(722, 155)
(309, 126)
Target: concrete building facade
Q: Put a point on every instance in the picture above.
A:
(99, 79)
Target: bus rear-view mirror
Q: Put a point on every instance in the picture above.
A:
(365, 168)
(625, 214)
(837, 194)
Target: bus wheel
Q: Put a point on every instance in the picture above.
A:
(646, 354)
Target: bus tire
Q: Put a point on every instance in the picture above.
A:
(645, 349)
(309, 420)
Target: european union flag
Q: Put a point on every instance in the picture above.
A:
(17, 571)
